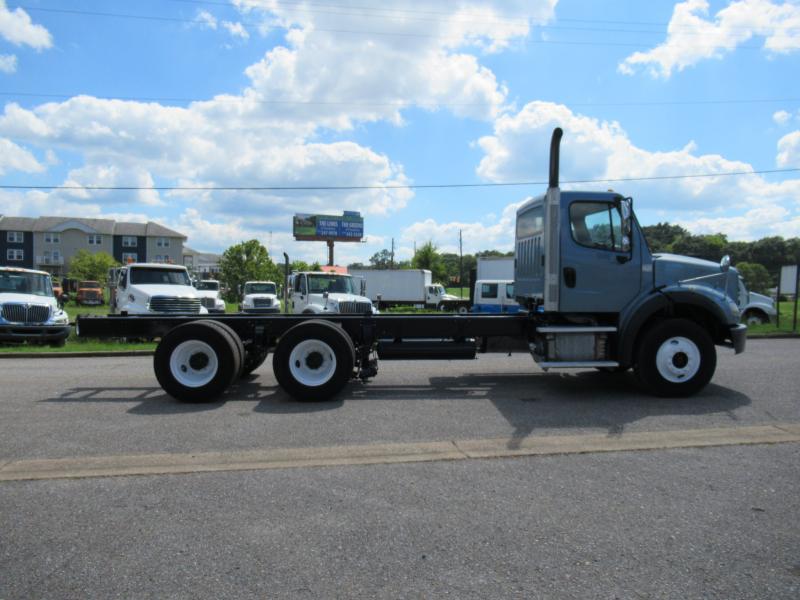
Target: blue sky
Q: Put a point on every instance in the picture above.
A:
(260, 93)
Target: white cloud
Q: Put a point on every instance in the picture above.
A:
(8, 63)
(16, 27)
(789, 150)
(205, 20)
(340, 81)
(692, 38)
(497, 233)
(14, 158)
(596, 150)
(236, 29)
(781, 117)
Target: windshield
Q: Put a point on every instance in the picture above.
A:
(440, 289)
(26, 283)
(88, 284)
(328, 282)
(160, 276)
(260, 288)
(208, 285)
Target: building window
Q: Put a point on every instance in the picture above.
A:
(52, 238)
(129, 257)
(15, 254)
(15, 237)
(95, 239)
(162, 242)
(129, 241)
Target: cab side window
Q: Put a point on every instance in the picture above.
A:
(596, 225)
(488, 290)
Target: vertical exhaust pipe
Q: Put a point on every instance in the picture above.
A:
(555, 144)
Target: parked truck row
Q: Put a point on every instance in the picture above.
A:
(589, 292)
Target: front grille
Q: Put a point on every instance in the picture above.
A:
(26, 313)
(262, 302)
(90, 294)
(208, 302)
(173, 304)
(355, 308)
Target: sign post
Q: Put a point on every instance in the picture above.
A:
(788, 284)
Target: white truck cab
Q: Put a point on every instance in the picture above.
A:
(495, 296)
(29, 310)
(326, 293)
(209, 292)
(155, 288)
(260, 297)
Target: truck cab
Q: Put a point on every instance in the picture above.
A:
(260, 297)
(29, 310)
(602, 299)
(209, 292)
(495, 296)
(328, 293)
(155, 288)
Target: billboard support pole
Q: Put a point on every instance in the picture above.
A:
(796, 294)
(330, 253)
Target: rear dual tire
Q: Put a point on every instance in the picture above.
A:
(198, 361)
(314, 360)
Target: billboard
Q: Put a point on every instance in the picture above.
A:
(348, 227)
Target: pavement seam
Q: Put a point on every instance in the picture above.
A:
(391, 453)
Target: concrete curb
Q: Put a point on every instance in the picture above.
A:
(75, 354)
(778, 336)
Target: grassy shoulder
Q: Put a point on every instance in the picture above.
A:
(786, 310)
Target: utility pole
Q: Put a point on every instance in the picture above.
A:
(460, 264)
(391, 257)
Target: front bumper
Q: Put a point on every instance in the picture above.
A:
(33, 333)
(272, 310)
(738, 338)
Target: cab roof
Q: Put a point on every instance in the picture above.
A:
(21, 270)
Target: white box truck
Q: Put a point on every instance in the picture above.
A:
(407, 287)
(495, 267)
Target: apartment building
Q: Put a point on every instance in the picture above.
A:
(203, 264)
(49, 243)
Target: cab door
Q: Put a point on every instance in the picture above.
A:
(299, 294)
(600, 270)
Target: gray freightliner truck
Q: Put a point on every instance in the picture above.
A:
(591, 292)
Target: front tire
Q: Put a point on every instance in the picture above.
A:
(755, 317)
(675, 358)
(196, 362)
(314, 360)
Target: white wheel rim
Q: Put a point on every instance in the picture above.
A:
(193, 363)
(678, 359)
(753, 320)
(312, 363)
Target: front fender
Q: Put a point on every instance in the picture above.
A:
(668, 301)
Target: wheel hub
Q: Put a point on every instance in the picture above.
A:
(198, 361)
(314, 360)
(678, 359)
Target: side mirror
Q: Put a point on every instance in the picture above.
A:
(626, 210)
(363, 287)
(725, 263)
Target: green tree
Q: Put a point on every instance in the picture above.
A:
(756, 277)
(427, 257)
(247, 261)
(709, 247)
(661, 236)
(382, 259)
(90, 266)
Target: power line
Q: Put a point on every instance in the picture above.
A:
(394, 33)
(398, 103)
(304, 5)
(278, 188)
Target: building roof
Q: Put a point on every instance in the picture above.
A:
(102, 226)
(16, 224)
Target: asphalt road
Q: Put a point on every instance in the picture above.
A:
(682, 523)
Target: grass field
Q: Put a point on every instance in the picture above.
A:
(785, 326)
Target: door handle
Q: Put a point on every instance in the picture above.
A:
(570, 277)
